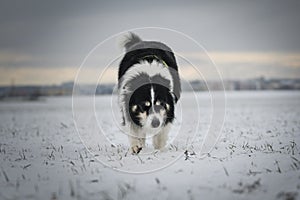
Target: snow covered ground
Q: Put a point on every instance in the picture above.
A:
(257, 157)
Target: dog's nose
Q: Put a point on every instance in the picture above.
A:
(155, 122)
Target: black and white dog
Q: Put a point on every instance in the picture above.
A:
(149, 87)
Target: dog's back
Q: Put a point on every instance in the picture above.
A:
(138, 51)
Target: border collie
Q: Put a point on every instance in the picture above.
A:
(148, 88)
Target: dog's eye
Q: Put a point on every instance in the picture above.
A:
(133, 108)
(157, 103)
(147, 103)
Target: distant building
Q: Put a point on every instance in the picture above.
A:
(261, 83)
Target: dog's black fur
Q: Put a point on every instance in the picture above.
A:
(149, 94)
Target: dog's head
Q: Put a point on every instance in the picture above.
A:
(151, 106)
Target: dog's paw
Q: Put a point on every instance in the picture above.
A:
(159, 144)
(136, 149)
(161, 148)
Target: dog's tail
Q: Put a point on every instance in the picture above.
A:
(130, 40)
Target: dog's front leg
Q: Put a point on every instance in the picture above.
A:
(137, 141)
(160, 140)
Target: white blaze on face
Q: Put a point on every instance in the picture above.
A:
(152, 96)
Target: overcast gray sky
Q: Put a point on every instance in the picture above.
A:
(44, 42)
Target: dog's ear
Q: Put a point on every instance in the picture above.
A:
(175, 99)
(177, 85)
